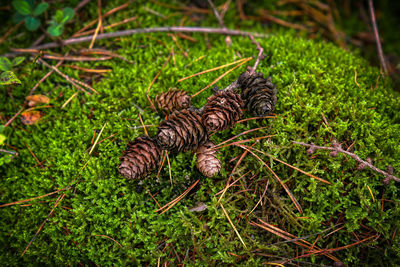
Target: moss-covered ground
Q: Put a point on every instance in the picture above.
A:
(107, 220)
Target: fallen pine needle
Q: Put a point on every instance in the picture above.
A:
(144, 127)
(110, 239)
(58, 201)
(222, 76)
(172, 203)
(233, 226)
(213, 69)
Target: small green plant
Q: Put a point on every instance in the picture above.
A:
(61, 17)
(7, 65)
(28, 12)
(7, 77)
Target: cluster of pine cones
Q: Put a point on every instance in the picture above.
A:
(187, 128)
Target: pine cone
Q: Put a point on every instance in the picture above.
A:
(207, 161)
(173, 100)
(181, 131)
(222, 110)
(140, 158)
(258, 93)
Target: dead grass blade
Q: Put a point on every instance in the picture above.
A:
(97, 139)
(110, 239)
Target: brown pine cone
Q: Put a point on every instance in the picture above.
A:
(172, 100)
(181, 131)
(207, 162)
(222, 110)
(258, 93)
(140, 158)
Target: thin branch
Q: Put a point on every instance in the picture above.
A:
(259, 57)
(145, 30)
(377, 38)
(228, 40)
(336, 148)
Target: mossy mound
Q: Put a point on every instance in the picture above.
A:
(313, 78)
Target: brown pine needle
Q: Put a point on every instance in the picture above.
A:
(155, 200)
(213, 69)
(233, 226)
(110, 239)
(262, 196)
(63, 75)
(38, 161)
(256, 118)
(291, 166)
(177, 44)
(89, 70)
(69, 100)
(242, 133)
(176, 200)
(108, 13)
(294, 200)
(144, 127)
(164, 155)
(289, 237)
(58, 201)
(44, 78)
(99, 24)
(30, 199)
(154, 79)
(222, 76)
(229, 185)
(13, 117)
(106, 27)
(169, 167)
(242, 141)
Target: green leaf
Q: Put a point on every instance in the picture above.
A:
(32, 23)
(58, 17)
(5, 64)
(55, 29)
(9, 78)
(1, 128)
(2, 139)
(18, 60)
(68, 14)
(42, 7)
(22, 7)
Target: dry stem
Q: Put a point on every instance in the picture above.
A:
(362, 163)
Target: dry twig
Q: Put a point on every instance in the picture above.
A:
(336, 148)
(377, 38)
(144, 30)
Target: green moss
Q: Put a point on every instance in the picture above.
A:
(312, 78)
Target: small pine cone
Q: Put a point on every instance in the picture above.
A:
(258, 93)
(207, 161)
(140, 158)
(173, 100)
(222, 110)
(181, 131)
